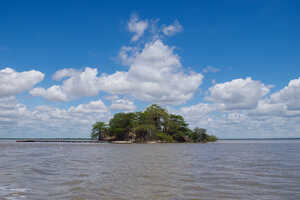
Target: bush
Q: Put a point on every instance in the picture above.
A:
(212, 138)
(179, 136)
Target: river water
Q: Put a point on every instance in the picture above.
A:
(223, 170)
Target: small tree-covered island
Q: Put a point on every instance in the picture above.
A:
(155, 124)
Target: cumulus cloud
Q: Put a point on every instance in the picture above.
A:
(199, 110)
(53, 93)
(198, 114)
(155, 75)
(267, 108)
(283, 103)
(289, 95)
(137, 27)
(172, 29)
(67, 72)
(92, 107)
(18, 120)
(123, 104)
(262, 116)
(9, 107)
(78, 84)
(13, 82)
(241, 123)
(238, 94)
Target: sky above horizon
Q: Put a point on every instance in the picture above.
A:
(231, 67)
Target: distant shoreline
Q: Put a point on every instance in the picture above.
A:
(95, 141)
(261, 139)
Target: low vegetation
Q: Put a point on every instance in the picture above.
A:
(154, 124)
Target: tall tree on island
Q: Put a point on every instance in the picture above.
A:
(156, 116)
(99, 130)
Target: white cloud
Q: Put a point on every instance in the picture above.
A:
(239, 123)
(269, 117)
(13, 82)
(264, 107)
(238, 93)
(78, 84)
(92, 107)
(137, 27)
(53, 93)
(284, 103)
(9, 107)
(198, 111)
(123, 104)
(155, 75)
(210, 69)
(67, 72)
(289, 95)
(46, 121)
(199, 114)
(172, 29)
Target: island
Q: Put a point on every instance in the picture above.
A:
(154, 125)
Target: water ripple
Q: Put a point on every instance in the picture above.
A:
(224, 170)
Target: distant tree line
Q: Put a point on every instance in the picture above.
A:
(154, 124)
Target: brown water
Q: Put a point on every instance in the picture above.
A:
(222, 170)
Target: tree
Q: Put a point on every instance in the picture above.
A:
(144, 132)
(177, 128)
(199, 135)
(121, 124)
(99, 130)
(176, 123)
(157, 116)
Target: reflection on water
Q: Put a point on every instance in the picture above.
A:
(222, 170)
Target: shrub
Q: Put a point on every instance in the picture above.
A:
(212, 138)
(179, 136)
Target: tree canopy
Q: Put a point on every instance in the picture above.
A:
(154, 124)
(99, 130)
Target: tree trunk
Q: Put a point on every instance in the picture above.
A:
(99, 137)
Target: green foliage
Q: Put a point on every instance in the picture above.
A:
(195, 137)
(155, 123)
(121, 124)
(212, 138)
(176, 125)
(118, 133)
(156, 116)
(144, 132)
(200, 135)
(99, 130)
(164, 137)
(179, 136)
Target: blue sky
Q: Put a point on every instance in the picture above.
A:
(229, 66)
